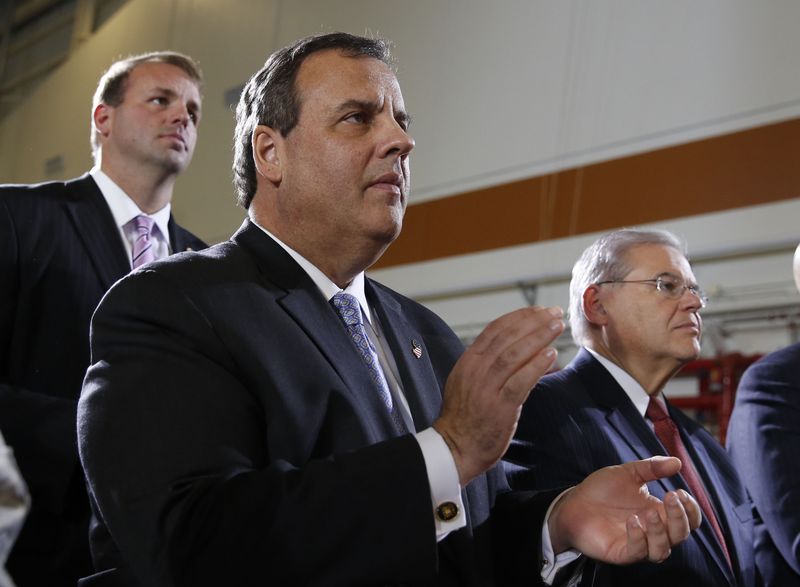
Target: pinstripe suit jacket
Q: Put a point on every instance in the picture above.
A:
(763, 442)
(579, 420)
(60, 250)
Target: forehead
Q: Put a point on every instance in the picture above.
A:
(648, 261)
(148, 76)
(329, 77)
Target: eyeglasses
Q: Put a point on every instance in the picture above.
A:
(669, 286)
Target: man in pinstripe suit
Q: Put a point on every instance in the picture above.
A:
(635, 311)
(762, 440)
(62, 245)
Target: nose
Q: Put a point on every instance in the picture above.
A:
(395, 140)
(693, 301)
(180, 113)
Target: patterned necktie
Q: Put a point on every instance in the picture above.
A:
(670, 437)
(349, 311)
(143, 250)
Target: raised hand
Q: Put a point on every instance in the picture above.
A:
(488, 385)
(612, 517)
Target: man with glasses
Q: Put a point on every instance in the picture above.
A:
(635, 311)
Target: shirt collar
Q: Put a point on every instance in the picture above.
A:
(323, 282)
(123, 208)
(629, 385)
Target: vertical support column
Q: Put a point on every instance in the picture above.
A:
(7, 18)
(83, 24)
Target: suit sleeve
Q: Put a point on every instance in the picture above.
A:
(764, 441)
(39, 428)
(175, 447)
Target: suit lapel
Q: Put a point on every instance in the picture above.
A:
(620, 412)
(305, 304)
(179, 239)
(632, 428)
(88, 211)
(419, 382)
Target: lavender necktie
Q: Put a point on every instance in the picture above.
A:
(143, 245)
(350, 312)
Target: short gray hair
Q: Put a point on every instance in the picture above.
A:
(606, 260)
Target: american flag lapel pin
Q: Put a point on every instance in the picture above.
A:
(416, 348)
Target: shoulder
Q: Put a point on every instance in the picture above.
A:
(781, 364)
(190, 269)
(560, 386)
(21, 197)
(183, 285)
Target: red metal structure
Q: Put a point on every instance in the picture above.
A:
(718, 379)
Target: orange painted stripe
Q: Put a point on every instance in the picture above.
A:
(744, 168)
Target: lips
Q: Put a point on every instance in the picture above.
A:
(389, 182)
(689, 325)
(176, 136)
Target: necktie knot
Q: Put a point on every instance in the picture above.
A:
(655, 411)
(348, 308)
(143, 251)
(143, 224)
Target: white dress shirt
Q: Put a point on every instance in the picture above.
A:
(124, 209)
(441, 468)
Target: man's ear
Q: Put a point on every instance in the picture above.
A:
(593, 307)
(102, 118)
(267, 153)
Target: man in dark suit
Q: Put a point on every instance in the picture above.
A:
(62, 245)
(263, 413)
(763, 443)
(635, 310)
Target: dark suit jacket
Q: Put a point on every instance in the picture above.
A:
(60, 250)
(764, 442)
(579, 420)
(231, 435)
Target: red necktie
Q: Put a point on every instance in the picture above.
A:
(668, 434)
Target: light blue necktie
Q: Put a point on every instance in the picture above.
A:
(350, 312)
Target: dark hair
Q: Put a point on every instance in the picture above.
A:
(270, 97)
(112, 85)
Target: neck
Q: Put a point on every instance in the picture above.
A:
(651, 374)
(339, 260)
(150, 189)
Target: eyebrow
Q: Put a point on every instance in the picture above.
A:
(400, 116)
(673, 275)
(192, 104)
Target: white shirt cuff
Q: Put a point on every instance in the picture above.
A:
(552, 563)
(443, 480)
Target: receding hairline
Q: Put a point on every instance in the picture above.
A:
(344, 53)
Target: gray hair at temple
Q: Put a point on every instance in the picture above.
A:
(270, 97)
(112, 85)
(606, 260)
